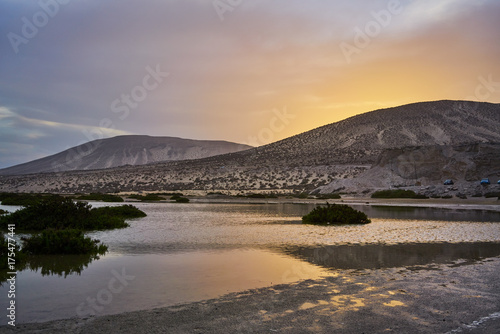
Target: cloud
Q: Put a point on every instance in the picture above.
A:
(24, 139)
(226, 76)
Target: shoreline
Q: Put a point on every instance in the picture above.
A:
(447, 298)
(489, 204)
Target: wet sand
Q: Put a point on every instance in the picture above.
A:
(446, 298)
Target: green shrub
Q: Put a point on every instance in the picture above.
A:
(101, 197)
(329, 196)
(24, 199)
(122, 211)
(397, 193)
(182, 200)
(492, 194)
(62, 242)
(335, 214)
(148, 197)
(63, 213)
(2, 212)
(256, 196)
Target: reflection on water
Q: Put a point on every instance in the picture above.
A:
(47, 265)
(406, 212)
(60, 265)
(391, 256)
(151, 281)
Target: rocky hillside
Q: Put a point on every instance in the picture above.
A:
(125, 150)
(424, 169)
(325, 159)
(360, 139)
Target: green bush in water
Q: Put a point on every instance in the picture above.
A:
(148, 197)
(101, 197)
(122, 211)
(335, 214)
(25, 199)
(63, 213)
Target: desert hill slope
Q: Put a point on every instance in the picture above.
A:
(125, 150)
(360, 139)
(368, 146)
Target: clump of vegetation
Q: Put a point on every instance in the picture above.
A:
(335, 214)
(122, 211)
(62, 242)
(492, 194)
(2, 212)
(397, 193)
(101, 197)
(328, 196)
(63, 213)
(24, 199)
(254, 195)
(148, 197)
(179, 199)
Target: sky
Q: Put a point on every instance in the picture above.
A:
(247, 71)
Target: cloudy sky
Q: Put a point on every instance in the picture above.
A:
(249, 71)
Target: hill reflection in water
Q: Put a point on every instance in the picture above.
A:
(378, 256)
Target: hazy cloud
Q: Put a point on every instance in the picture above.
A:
(226, 76)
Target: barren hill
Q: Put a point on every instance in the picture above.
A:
(125, 150)
(360, 139)
(364, 147)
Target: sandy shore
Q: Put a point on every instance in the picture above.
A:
(449, 298)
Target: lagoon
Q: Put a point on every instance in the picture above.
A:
(182, 253)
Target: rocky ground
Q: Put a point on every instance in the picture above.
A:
(422, 169)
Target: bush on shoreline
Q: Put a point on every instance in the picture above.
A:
(329, 196)
(148, 197)
(397, 193)
(25, 199)
(101, 197)
(335, 214)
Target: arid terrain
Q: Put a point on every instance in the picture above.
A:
(414, 146)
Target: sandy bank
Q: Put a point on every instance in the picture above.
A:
(448, 298)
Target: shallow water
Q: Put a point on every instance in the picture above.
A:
(188, 252)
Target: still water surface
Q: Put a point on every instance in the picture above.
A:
(181, 253)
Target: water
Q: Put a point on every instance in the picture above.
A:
(189, 252)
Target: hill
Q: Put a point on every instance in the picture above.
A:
(323, 159)
(125, 150)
